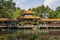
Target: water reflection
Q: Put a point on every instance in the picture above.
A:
(30, 34)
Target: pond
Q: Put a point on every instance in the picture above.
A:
(30, 35)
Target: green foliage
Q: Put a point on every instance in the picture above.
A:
(16, 13)
(58, 9)
(37, 23)
(20, 23)
(8, 9)
(58, 12)
(41, 9)
(51, 13)
(55, 13)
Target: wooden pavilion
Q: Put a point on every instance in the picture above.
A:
(28, 17)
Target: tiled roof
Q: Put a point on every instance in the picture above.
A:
(28, 12)
(7, 19)
(50, 19)
(29, 17)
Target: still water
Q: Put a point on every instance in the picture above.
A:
(30, 34)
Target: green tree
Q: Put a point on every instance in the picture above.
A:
(41, 9)
(58, 9)
(17, 13)
(6, 8)
(58, 12)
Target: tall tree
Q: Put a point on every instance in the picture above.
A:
(58, 12)
(6, 8)
(17, 13)
(41, 10)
